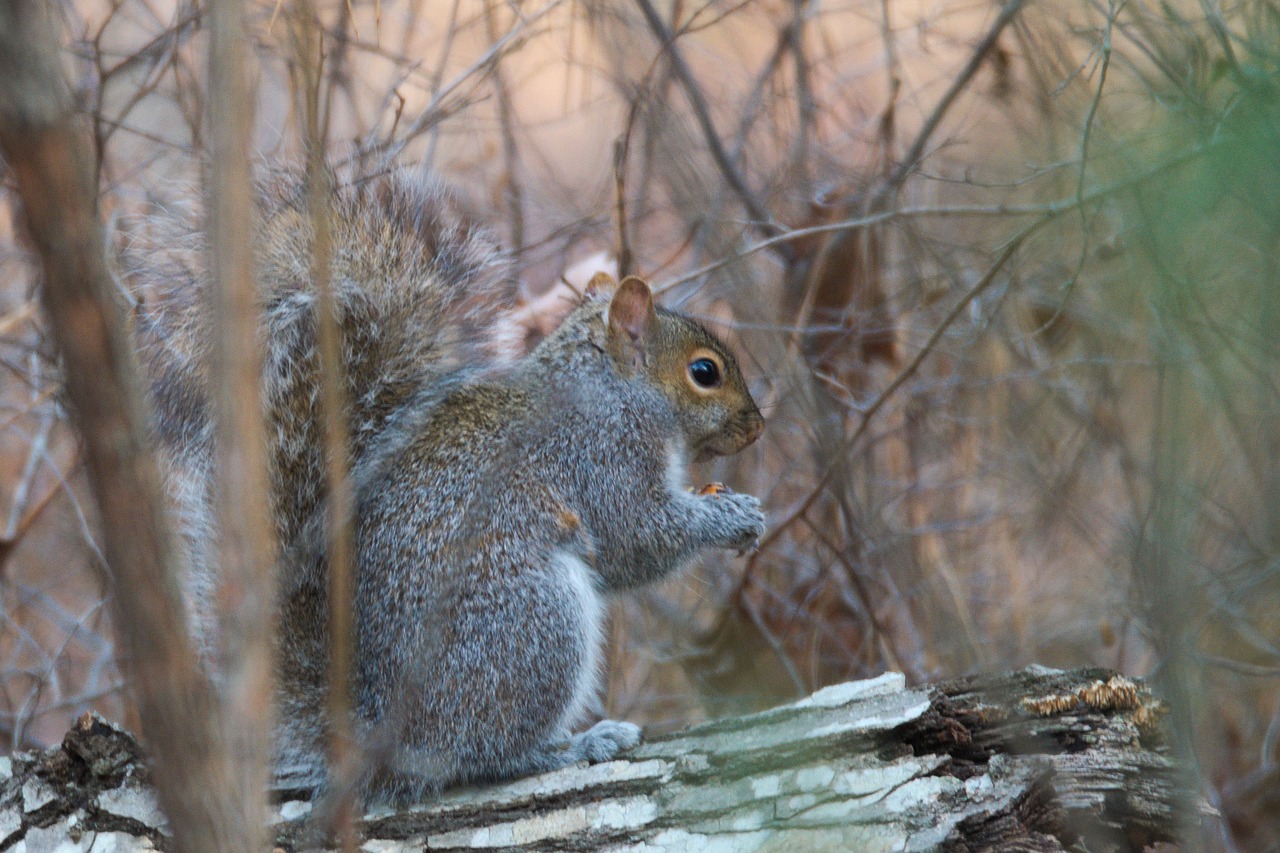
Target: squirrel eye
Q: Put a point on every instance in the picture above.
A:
(705, 372)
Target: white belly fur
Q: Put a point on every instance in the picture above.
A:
(578, 578)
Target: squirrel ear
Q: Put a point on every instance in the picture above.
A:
(601, 286)
(631, 319)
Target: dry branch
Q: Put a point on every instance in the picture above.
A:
(1032, 760)
(47, 152)
(247, 553)
(701, 112)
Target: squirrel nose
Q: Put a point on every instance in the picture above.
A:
(755, 427)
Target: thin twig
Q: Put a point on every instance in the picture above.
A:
(1086, 137)
(434, 111)
(915, 152)
(702, 115)
(1051, 210)
(884, 396)
(510, 150)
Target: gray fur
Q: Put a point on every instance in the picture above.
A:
(495, 506)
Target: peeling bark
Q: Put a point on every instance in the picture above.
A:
(1037, 760)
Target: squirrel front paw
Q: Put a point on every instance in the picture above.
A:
(738, 521)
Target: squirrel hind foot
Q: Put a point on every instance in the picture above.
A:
(604, 741)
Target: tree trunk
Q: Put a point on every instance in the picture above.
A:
(1029, 761)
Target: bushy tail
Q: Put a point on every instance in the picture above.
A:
(421, 291)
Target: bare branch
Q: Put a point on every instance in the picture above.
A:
(884, 396)
(698, 102)
(915, 152)
(343, 756)
(247, 554)
(51, 162)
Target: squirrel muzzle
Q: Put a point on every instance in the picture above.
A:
(741, 433)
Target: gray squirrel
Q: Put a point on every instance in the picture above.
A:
(497, 502)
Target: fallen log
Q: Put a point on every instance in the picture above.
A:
(1036, 760)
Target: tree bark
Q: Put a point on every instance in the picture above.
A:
(1037, 760)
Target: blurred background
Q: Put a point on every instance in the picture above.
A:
(1005, 279)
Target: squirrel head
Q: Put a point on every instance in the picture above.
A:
(683, 360)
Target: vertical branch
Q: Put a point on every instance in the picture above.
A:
(437, 78)
(510, 151)
(888, 118)
(1162, 567)
(52, 164)
(806, 108)
(341, 66)
(246, 592)
(621, 152)
(309, 55)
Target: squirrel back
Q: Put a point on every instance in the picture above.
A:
(421, 290)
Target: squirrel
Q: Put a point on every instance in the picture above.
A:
(497, 501)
